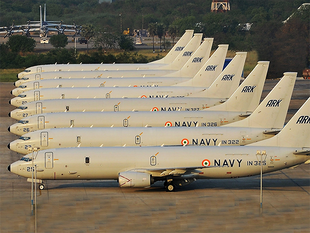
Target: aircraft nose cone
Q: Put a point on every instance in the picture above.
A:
(9, 101)
(9, 168)
(9, 146)
(9, 114)
(9, 129)
(11, 92)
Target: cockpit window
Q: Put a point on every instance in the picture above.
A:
(22, 86)
(23, 122)
(22, 107)
(24, 138)
(27, 71)
(24, 78)
(26, 159)
(22, 95)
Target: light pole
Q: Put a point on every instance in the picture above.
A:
(261, 153)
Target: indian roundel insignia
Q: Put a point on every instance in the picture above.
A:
(168, 124)
(184, 142)
(206, 163)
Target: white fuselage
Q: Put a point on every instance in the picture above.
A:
(93, 74)
(138, 136)
(114, 105)
(106, 92)
(40, 69)
(107, 163)
(98, 82)
(206, 118)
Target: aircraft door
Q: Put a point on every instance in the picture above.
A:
(41, 122)
(37, 77)
(39, 108)
(107, 96)
(36, 95)
(39, 69)
(49, 160)
(44, 139)
(116, 108)
(36, 85)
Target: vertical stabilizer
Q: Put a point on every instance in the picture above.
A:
(186, 53)
(247, 96)
(176, 50)
(210, 70)
(196, 61)
(271, 112)
(227, 82)
(296, 132)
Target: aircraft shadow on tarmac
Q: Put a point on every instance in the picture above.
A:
(246, 183)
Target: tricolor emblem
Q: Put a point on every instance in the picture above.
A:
(168, 124)
(143, 96)
(206, 163)
(155, 109)
(184, 142)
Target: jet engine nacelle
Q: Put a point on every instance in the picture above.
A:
(134, 179)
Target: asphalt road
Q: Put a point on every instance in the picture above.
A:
(229, 205)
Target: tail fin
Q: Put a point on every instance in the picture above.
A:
(296, 132)
(273, 108)
(176, 50)
(227, 82)
(184, 56)
(248, 94)
(210, 70)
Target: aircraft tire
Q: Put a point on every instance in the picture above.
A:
(41, 186)
(170, 187)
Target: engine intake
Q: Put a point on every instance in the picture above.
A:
(134, 179)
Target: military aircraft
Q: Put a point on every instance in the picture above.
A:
(120, 70)
(43, 27)
(193, 67)
(140, 167)
(244, 100)
(230, 75)
(273, 109)
(168, 59)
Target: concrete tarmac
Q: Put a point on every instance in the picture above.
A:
(229, 205)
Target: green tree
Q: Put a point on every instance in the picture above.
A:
(88, 31)
(59, 41)
(126, 43)
(160, 31)
(172, 31)
(152, 32)
(19, 43)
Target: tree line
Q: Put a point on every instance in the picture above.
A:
(286, 45)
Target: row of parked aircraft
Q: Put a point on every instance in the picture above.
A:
(43, 27)
(175, 120)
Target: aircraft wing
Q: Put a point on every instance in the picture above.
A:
(176, 171)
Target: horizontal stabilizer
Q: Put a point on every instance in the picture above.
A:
(302, 152)
(272, 132)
